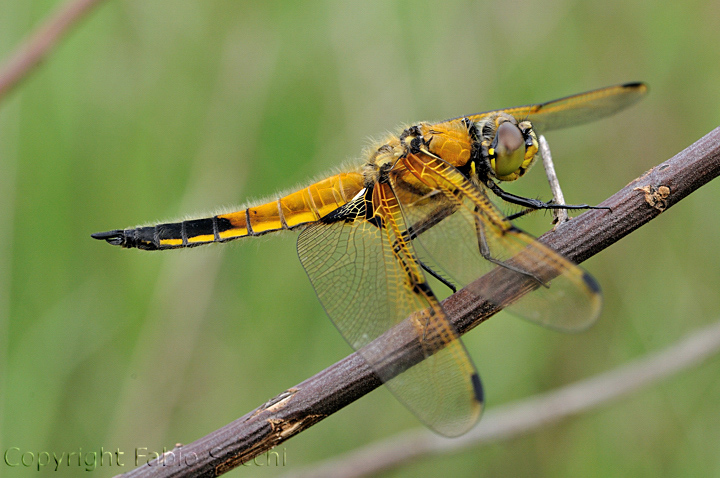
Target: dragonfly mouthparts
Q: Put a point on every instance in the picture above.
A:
(116, 237)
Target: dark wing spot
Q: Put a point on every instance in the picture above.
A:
(591, 283)
(478, 388)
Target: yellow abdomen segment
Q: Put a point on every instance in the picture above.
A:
(301, 207)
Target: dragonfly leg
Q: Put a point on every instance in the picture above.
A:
(487, 255)
(406, 237)
(522, 213)
(437, 275)
(531, 203)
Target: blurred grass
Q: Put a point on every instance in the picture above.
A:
(154, 110)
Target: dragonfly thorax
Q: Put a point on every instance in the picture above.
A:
(381, 162)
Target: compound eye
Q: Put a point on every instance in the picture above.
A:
(508, 149)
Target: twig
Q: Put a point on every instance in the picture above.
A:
(349, 379)
(559, 215)
(526, 415)
(34, 49)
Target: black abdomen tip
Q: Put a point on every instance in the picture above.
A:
(116, 237)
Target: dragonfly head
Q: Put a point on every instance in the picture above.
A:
(510, 146)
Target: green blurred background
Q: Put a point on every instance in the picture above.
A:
(154, 110)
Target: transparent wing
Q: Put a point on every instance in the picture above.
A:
(471, 238)
(368, 280)
(576, 109)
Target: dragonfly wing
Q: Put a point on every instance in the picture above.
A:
(566, 297)
(368, 280)
(577, 109)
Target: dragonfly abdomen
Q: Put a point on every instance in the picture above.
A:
(288, 212)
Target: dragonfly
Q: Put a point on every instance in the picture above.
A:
(418, 206)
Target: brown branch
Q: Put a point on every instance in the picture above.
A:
(523, 416)
(36, 47)
(349, 379)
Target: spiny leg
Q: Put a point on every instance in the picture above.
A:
(437, 275)
(407, 236)
(519, 214)
(530, 203)
(487, 255)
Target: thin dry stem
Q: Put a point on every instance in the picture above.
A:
(560, 215)
(37, 46)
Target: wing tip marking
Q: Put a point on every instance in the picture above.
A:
(592, 284)
(477, 388)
